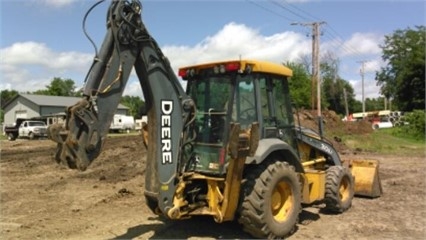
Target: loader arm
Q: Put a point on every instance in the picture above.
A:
(365, 172)
(127, 45)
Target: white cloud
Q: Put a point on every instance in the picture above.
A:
(33, 53)
(237, 40)
(373, 66)
(133, 88)
(58, 3)
(28, 66)
(371, 90)
(362, 43)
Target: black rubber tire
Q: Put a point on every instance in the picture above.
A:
(31, 136)
(263, 186)
(339, 189)
(11, 137)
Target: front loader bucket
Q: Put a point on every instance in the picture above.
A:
(367, 180)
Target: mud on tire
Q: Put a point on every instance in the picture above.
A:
(339, 189)
(271, 200)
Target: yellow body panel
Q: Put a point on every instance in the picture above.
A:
(256, 65)
(314, 186)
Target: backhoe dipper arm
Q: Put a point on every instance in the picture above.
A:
(128, 44)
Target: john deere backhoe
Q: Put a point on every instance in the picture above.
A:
(227, 147)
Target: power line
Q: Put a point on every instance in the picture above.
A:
(287, 9)
(332, 35)
(301, 10)
(269, 10)
(339, 43)
(338, 38)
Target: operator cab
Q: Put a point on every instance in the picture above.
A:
(241, 92)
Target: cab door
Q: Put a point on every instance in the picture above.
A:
(23, 129)
(275, 106)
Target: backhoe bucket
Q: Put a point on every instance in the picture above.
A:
(367, 180)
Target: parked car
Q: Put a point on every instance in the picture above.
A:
(24, 128)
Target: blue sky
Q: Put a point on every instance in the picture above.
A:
(42, 39)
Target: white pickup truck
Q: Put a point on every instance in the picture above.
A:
(28, 129)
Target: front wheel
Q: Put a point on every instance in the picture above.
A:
(339, 189)
(271, 200)
(31, 136)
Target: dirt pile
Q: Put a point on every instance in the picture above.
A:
(333, 126)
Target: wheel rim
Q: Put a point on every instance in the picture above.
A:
(281, 201)
(344, 189)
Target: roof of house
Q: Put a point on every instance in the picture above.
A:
(54, 101)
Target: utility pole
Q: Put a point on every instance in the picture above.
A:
(346, 102)
(385, 103)
(316, 82)
(362, 72)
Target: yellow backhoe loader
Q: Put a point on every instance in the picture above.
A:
(227, 146)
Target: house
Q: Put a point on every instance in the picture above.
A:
(34, 106)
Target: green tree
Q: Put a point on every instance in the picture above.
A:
(415, 127)
(59, 87)
(334, 91)
(6, 96)
(300, 85)
(334, 87)
(403, 79)
(355, 106)
(416, 124)
(134, 103)
(374, 104)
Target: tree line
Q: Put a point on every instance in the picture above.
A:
(401, 81)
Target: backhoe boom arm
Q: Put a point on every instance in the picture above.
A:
(127, 45)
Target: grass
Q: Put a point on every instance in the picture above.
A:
(383, 141)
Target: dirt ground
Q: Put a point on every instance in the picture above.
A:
(43, 200)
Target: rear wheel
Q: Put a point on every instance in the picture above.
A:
(339, 189)
(271, 200)
(11, 137)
